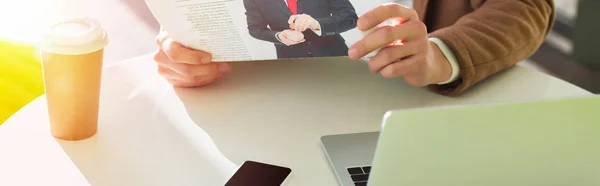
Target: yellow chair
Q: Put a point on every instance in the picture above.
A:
(21, 78)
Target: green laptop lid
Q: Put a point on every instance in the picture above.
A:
(544, 143)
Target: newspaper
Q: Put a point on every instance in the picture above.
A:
(246, 30)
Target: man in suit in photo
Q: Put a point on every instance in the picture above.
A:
(302, 28)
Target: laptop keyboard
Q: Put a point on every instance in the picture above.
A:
(360, 175)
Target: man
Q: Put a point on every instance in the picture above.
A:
(445, 45)
(320, 22)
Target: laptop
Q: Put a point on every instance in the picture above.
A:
(542, 143)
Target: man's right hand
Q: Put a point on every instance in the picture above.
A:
(291, 37)
(185, 67)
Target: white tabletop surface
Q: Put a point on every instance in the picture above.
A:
(274, 112)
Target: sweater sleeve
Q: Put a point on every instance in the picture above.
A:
(495, 37)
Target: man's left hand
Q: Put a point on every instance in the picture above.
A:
(302, 22)
(405, 48)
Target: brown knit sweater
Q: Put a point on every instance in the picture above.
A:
(487, 36)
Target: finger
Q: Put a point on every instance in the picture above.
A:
(385, 36)
(384, 12)
(179, 69)
(186, 84)
(286, 42)
(224, 67)
(187, 70)
(284, 39)
(301, 22)
(182, 69)
(168, 73)
(283, 35)
(314, 24)
(305, 25)
(200, 80)
(161, 37)
(179, 53)
(390, 55)
(399, 68)
(292, 19)
(178, 80)
(177, 83)
(297, 23)
(160, 56)
(298, 42)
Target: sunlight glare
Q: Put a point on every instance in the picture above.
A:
(23, 20)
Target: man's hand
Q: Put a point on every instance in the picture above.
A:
(302, 22)
(290, 37)
(184, 67)
(405, 48)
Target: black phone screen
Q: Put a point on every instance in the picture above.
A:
(259, 174)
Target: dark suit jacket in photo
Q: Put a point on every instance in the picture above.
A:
(267, 17)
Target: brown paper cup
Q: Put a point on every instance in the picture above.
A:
(72, 53)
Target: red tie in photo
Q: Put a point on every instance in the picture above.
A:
(293, 6)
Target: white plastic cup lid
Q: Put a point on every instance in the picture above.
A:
(74, 37)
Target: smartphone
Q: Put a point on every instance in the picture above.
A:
(253, 173)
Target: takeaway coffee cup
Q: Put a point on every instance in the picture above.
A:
(71, 53)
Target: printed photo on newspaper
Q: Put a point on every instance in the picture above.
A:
(246, 30)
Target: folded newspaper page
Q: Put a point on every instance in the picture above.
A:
(246, 30)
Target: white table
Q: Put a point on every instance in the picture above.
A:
(273, 112)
